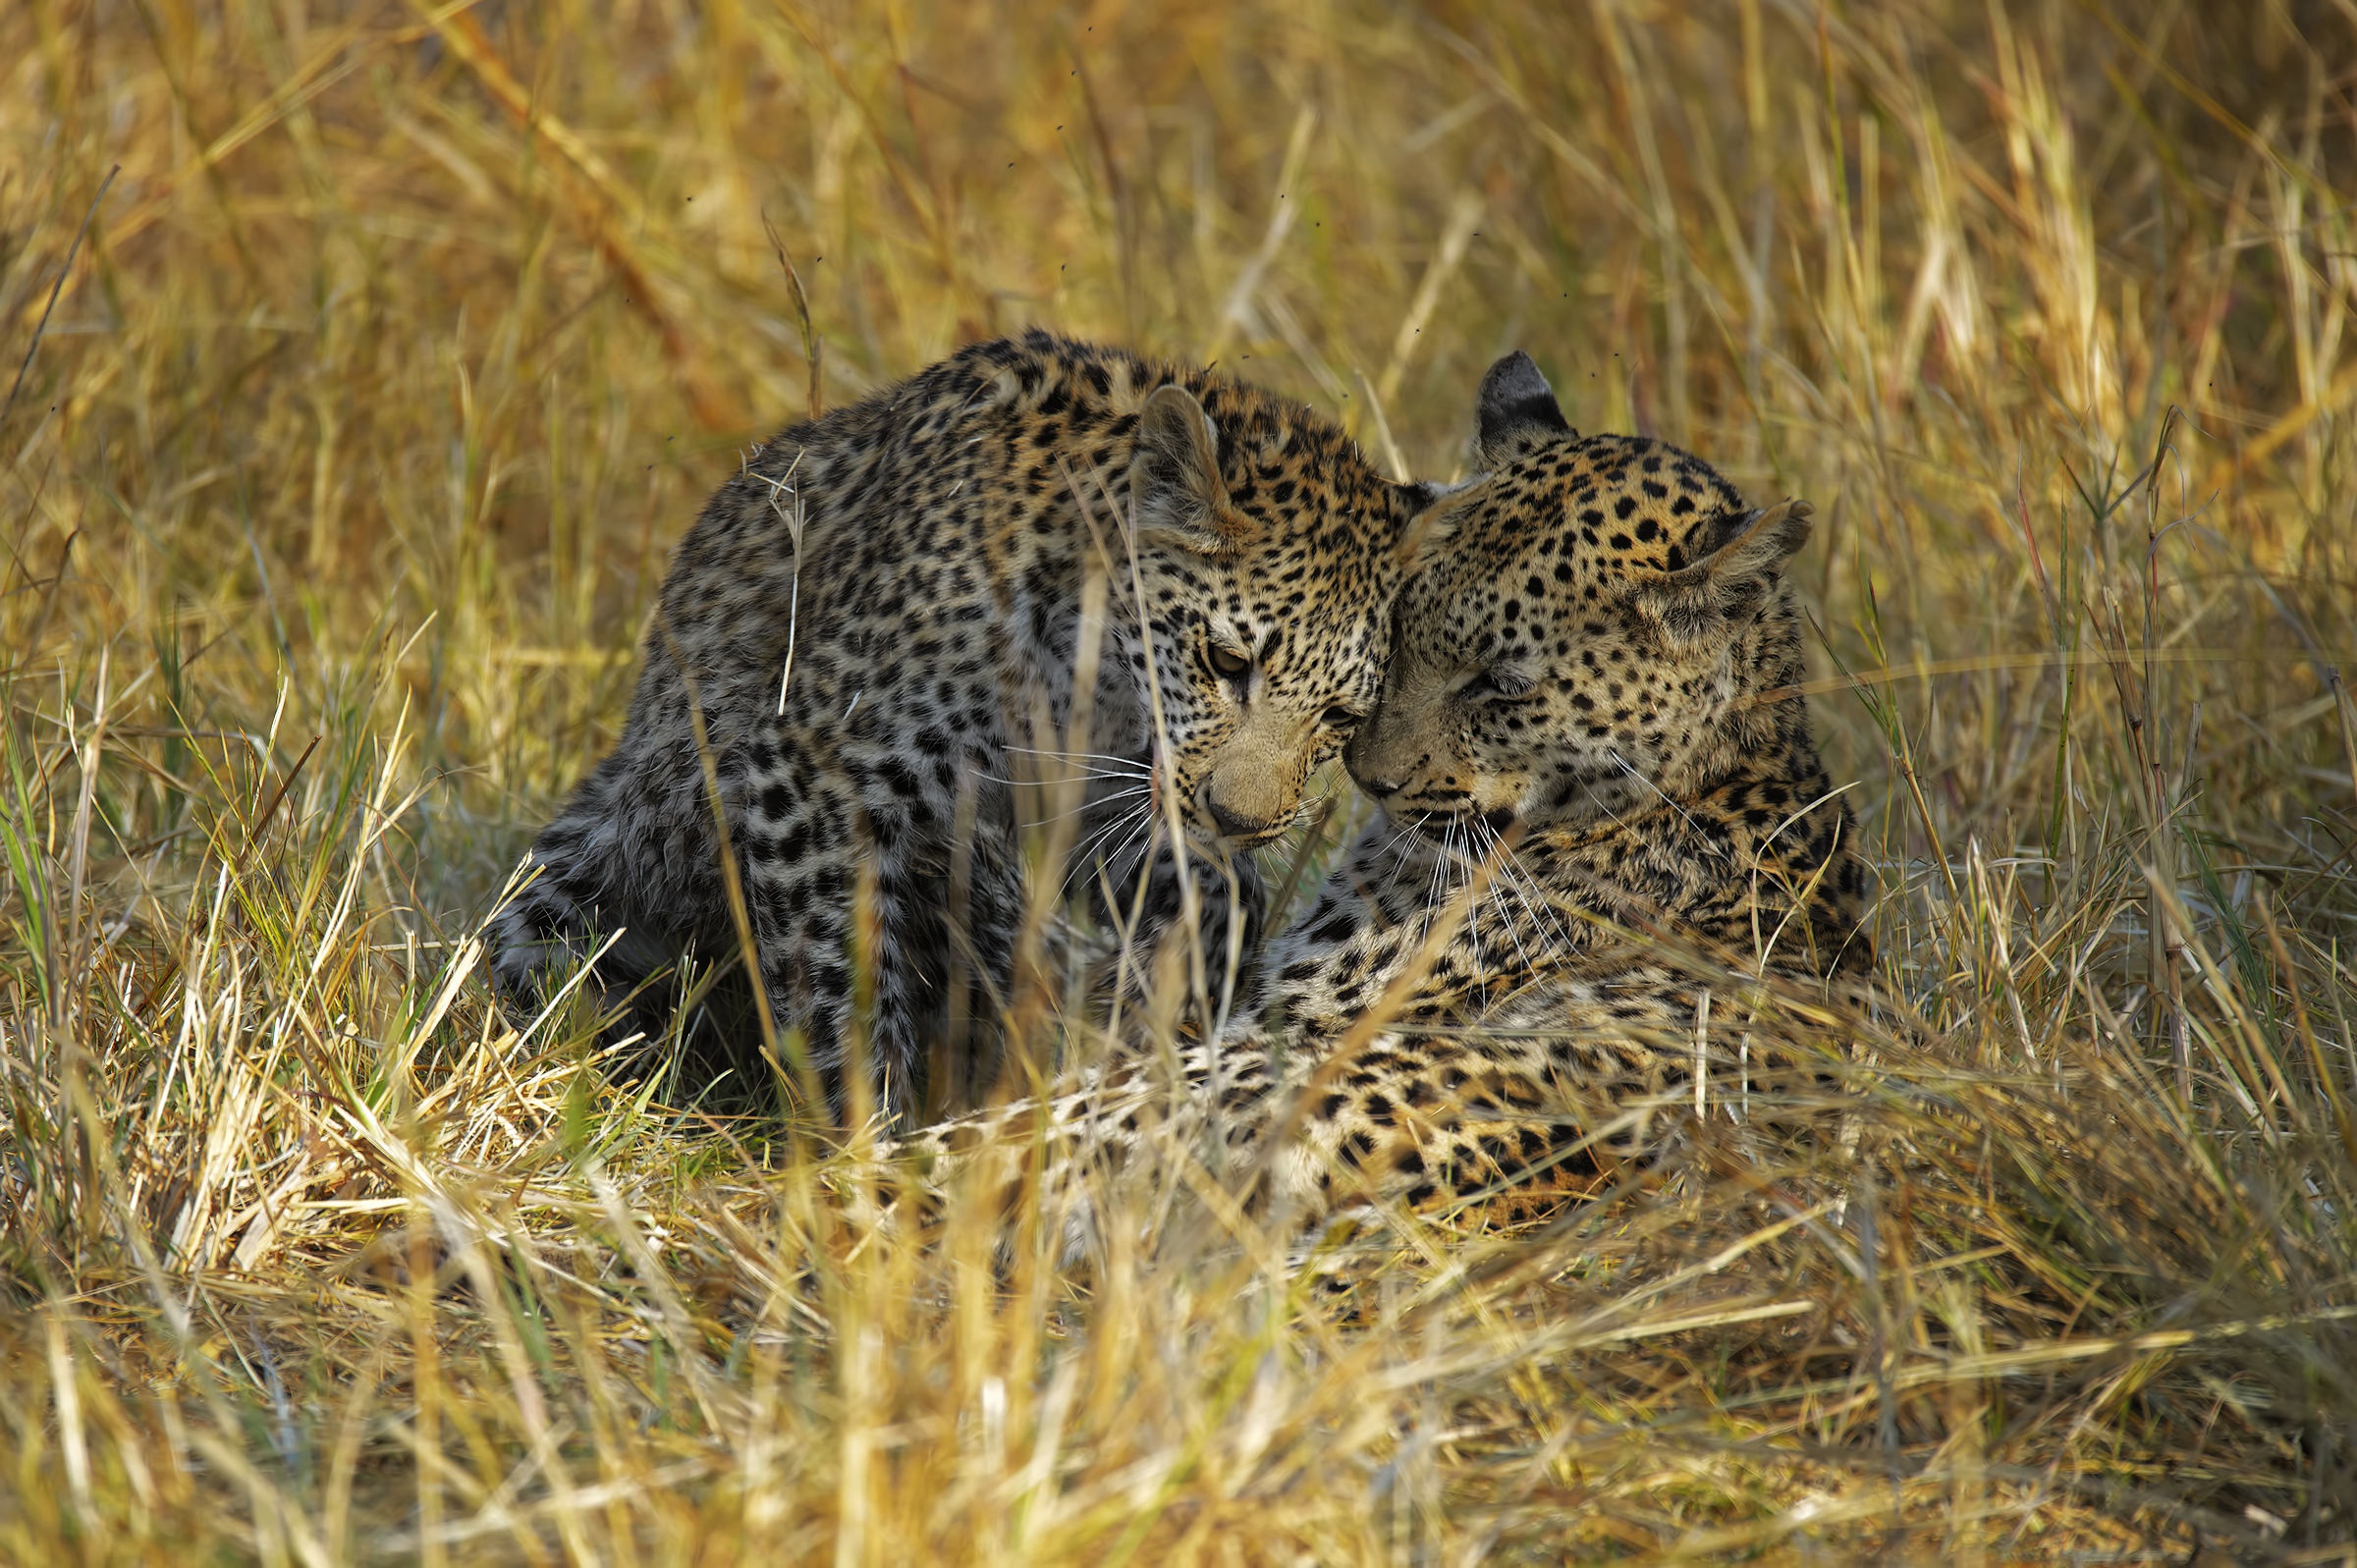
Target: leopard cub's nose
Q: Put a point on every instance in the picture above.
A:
(1382, 784)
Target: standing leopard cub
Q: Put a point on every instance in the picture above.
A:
(867, 695)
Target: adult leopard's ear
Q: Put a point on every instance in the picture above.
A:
(1514, 410)
(1176, 493)
(1728, 587)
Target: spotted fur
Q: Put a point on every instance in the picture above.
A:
(1600, 801)
(933, 614)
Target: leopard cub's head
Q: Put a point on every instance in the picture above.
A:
(1592, 639)
(1267, 551)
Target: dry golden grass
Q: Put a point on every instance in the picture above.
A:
(405, 340)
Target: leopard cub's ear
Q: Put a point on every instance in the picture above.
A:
(1176, 494)
(1728, 587)
(1514, 410)
(1432, 511)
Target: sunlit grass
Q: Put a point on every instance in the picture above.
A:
(406, 340)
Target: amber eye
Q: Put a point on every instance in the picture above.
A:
(1231, 665)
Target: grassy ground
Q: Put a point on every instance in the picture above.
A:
(372, 358)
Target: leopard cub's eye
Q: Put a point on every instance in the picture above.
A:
(1230, 664)
(1342, 718)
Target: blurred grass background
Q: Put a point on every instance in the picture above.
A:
(365, 361)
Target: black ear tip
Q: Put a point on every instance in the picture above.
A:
(1515, 378)
(1514, 395)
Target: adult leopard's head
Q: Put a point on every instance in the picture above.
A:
(1268, 551)
(1594, 637)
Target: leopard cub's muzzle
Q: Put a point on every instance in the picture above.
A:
(1253, 788)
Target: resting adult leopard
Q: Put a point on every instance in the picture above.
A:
(883, 610)
(1600, 797)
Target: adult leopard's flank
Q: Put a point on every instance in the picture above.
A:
(880, 614)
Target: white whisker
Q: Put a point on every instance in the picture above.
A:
(1626, 767)
(1517, 878)
(1384, 853)
(1444, 860)
(1110, 865)
(1092, 805)
(1501, 885)
(1091, 852)
(1081, 852)
(1125, 764)
(1085, 772)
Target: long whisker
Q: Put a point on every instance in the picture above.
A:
(1473, 827)
(1443, 861)
(1629, 768)
(1384, 853)
(1100, 801)
(1534, 892)
(1128, 764)
(1086, 853)
(1109, 880)
(1110, 865)
(1085, 772)
(1516, 878)
(1612, 815)
(1444, 866)
(1549, 930)
(1117, 863)
(1097, 839)
(1507, 888)
(1137, 856)
(1432, 882)
(1489, 839)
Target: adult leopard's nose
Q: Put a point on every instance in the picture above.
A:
(1384, 757)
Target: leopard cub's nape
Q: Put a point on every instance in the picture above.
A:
(872, 631)
(1600, 803)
